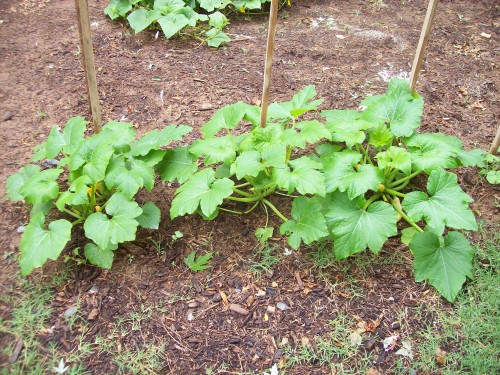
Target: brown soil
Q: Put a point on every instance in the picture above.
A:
(338, 46)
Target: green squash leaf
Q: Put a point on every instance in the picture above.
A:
(177, 164)
(444, 263)
(41, 187)
(172, 23)
(398, 108)
(341, 173)
(300, 104)
(216, 37)
(308, 223)
(150, 217)
(69, 140)
(472, 158)
(210, 5)
(446, 205)
(156, 139)
(309, 132)
(395, 158)
(76, 194)
(227, 117)
(168, 6)
(346, 126)
(380, 136)
(39, 244)
(248, 163)
(121, 227)
(355, 229)
(141, 18)
(16, 181)
(218, 20)
(305, 177)
(201, 190)
(118, 8)
(99, 257)
(128, 176)
(433, 150)
(215, 150)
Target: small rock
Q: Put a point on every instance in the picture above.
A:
(70, 311)
(8, 116)
(190, 316)
(234, 341)
(282, 306)
(20, 229)
(484, 35)
(270, 291)
(391, 299)
(193, 304)
(271, 309)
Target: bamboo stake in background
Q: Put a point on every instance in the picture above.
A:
(273, 19)
(82, 13)
(496, 143)
(422, 43)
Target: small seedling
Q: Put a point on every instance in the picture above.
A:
(200, 263)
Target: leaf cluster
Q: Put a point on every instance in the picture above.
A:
(351, 174)
(173, 16)
(355, 178)
(94, 181)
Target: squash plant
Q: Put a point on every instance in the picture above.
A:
(173, 16)
(352, 177)
(93, 183)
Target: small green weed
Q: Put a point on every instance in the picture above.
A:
(266, 257)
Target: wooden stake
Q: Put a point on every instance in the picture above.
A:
(422, 43)
(496, 143)
(87, 50)
(273, 19)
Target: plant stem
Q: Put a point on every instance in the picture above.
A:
(287, 195)
(252, 208)
(244, 193)
(394, 192)
(267, 214)
(275, 210)
(401, 180)
(402, 186)
(242, 185)
(244, 200)
(77, 222)
(71, 213)
(365, 153)
(371, 200)
(404, 216)
(231, 211)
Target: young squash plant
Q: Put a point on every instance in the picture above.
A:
(352, 177)
(93, 183)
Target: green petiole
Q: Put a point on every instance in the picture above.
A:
(275, 210)
(371, 200)
(404, 216)
(404, 179)
(394, 192)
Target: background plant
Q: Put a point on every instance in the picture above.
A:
(174, 16)
(93, 181)
(351, 178)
